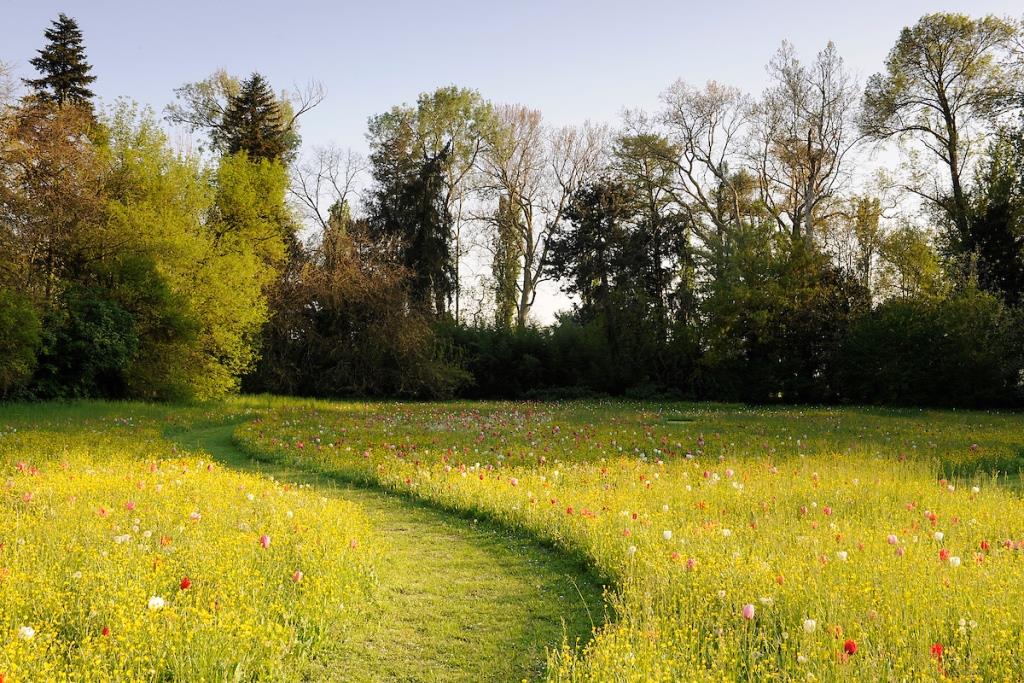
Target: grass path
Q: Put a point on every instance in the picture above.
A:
(459, 600)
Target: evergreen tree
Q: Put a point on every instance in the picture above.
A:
(993, 247)
(64, 72)
(253, 123)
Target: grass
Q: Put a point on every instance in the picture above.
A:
(434, 597)
(749, 544)
(741, 543)
(460, 600)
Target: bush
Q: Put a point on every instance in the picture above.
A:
(963, 351)
(19, 341)
(88, 345)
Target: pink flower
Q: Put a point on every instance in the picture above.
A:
(892, 539)
(748, 611)
(265, 541)
(297, 576)
(129, 506)
(691, 564)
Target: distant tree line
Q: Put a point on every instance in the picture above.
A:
(725, 246)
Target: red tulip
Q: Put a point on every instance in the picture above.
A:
(186, 583)
(850, 647)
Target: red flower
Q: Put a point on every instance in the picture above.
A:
(937, 651)
(105, 631)
(944, 554)
(985, 545)
(850, 647)
(186, 583)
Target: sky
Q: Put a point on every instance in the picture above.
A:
(572, 59)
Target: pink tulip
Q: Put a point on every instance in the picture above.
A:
(748, 611)
(265, 541)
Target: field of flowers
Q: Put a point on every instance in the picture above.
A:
(122, 558)
(743, 544)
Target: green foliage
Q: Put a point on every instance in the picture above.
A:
(64, 72)
(960, 351)
(774, 321)
(89, 343)
(19, 340)
(506, 266)
(342, 324)
(993, 247)
(253, 123)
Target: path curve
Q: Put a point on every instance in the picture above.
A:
(459, 601)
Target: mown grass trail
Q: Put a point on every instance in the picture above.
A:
(459, 600)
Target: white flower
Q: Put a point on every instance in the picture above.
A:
(76, 576)
(975, 489)
(727, 532)
(954, 561)
(667, 534)
(123, 538)
(664, 508)
(26, 633)
(939, 536)
(156, 602)
(801, 659)
(842, 555)
(810, 625)
(250, 497)
(632, 550)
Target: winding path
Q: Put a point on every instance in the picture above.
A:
(459, 601)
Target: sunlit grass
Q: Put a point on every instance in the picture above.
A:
(748, 543)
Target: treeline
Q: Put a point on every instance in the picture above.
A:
(822, 242)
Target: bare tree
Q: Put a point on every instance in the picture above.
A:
(804, 129)
(8, 85)
(326, 178)
(537, 170)
(708, 129)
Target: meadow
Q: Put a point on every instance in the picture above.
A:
(742, 544)
(736, 543)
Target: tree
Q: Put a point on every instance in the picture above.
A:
(803, 134)
(65, 75)
(506, 264)
(945, 83)
(537, 170)
(994, 244)
(446, 129)
(203, 106)
(644, 161)
(253, 123)
(408, 209)
(51, 198)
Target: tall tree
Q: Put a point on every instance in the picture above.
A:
(994, 244)
(446, 128)
(253, 123)
(203, 106)
(803, 132)
(946, 81)
(538, 170)
(65, 75)
(408, 208)
(506, 264)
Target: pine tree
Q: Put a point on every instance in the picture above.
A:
(64, 72)
(253, 123)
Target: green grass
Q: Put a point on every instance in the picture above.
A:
(477, 582)
(461, 600)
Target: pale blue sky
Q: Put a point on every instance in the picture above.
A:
(572, 59)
